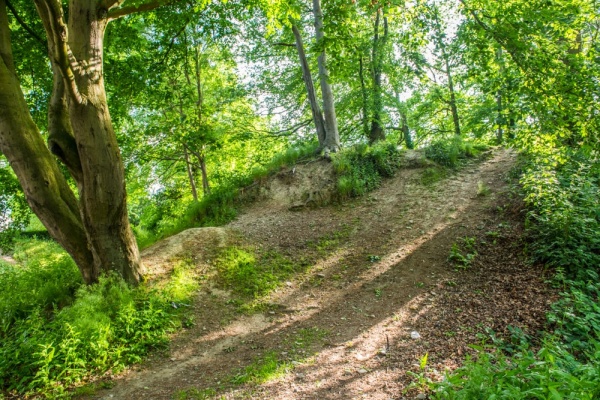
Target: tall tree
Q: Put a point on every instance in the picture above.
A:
(93, 227)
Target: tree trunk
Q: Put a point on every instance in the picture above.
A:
(453, 106)
(499, 105)
(310, 89)
(188, 167)
(406, 132)
(332, 138)
(365, 99)
(376, 133)
(96, 229)
(44, 185)
(205, 183)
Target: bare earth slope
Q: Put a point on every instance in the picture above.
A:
(381, 273)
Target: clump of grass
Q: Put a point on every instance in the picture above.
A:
(362, 168)
(252, 276)
(449, 153)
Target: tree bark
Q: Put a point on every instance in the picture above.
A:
(332, 138)
(365, 98)
(188, 167)
(81, 136)
(317, 115)
(45, 187)
(376, 133)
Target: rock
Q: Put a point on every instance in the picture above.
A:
(415, 335)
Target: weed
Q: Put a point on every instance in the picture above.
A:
(462, 255)
(373, 258)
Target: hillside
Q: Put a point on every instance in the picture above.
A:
(410, 270)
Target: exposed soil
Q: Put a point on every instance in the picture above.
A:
(380, 276)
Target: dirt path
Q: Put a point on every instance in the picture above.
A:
(381, 295)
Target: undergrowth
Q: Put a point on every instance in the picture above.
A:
(362, 168)
(561, 190)
(57, 333)
(449, 153)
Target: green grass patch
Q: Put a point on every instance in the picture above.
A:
(57, 333)
(252, 276)
(362, 168)
(272, 365)
(450, 152)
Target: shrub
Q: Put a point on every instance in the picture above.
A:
(362, 168)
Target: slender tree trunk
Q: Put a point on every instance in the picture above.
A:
(365, 98)
(202, 163)
(190, 173)
(448, 70)
(376, 133)
(453, 106)
(332, 138)
(205, 183)
(499, 105)
(406, 132)
(310, 89)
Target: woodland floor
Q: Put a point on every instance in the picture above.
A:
(380, 271)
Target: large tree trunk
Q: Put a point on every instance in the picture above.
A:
(81, 136)
(376, 132)
(310, 89)
(45, 188)
(332, 139)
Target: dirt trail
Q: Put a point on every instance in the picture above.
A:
(382, 273)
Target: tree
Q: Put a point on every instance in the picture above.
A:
(93, 226)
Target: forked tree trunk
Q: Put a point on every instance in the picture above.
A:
(332, 138)
(94, 230)
(317, 115)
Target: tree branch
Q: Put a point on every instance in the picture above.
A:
(52, 16)
(119, 12)
(24, 25)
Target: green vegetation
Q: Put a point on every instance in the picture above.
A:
(561, 191)
(272, 365)
(361, 169)
(449, 153)
(57, 333)
(463, 254)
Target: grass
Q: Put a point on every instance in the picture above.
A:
(57, 333)
(362, 168)
(272, 365)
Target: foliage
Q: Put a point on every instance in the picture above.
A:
(565, 213)
(449, 153)
(56, 332)
(563, 221)
(14, 211)
(361, 169)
